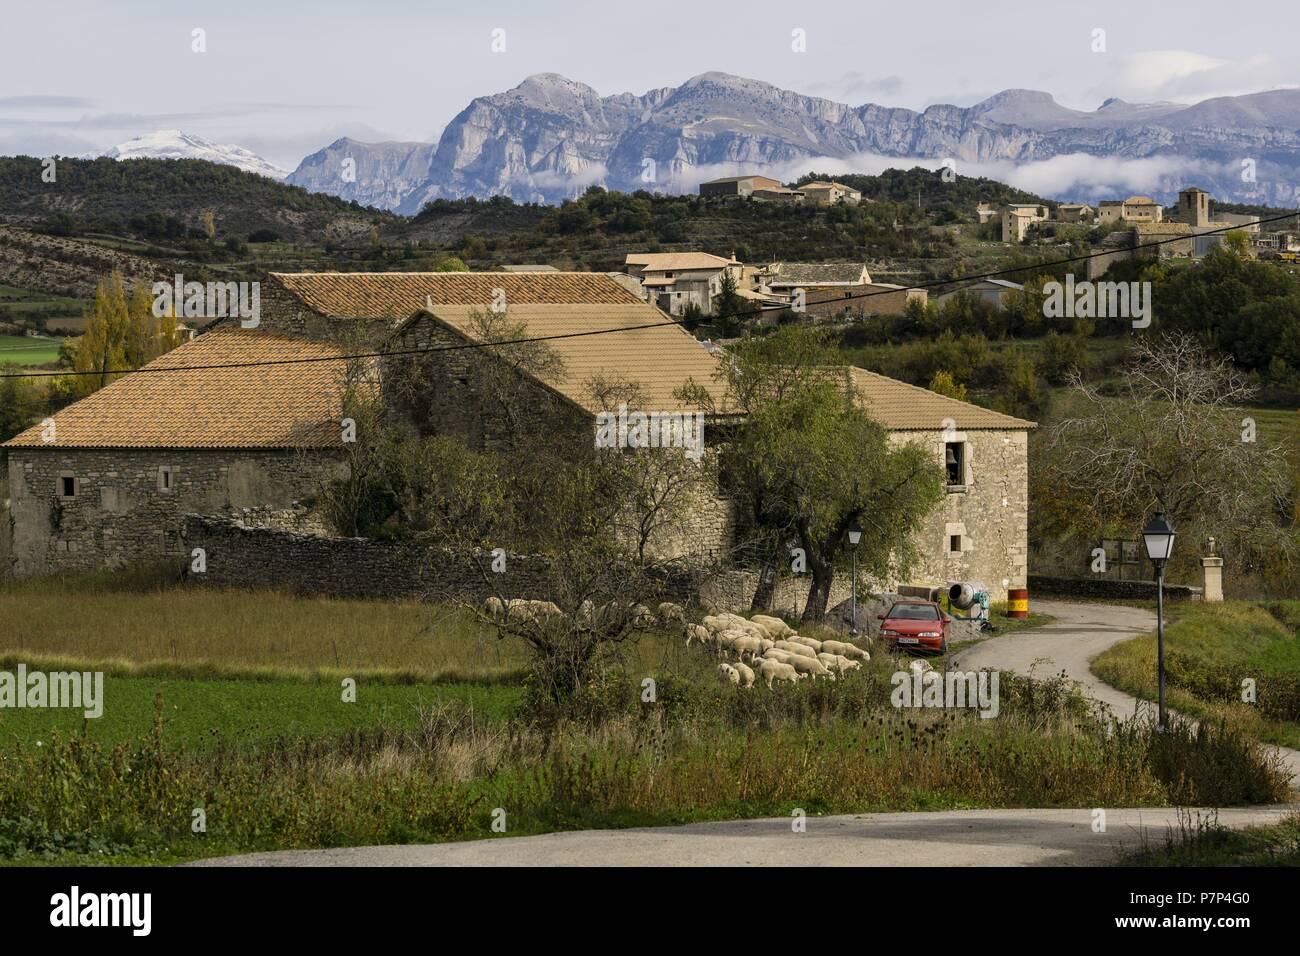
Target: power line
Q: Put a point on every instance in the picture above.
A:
(632, 328)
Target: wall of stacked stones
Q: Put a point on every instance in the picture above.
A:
(120, 514)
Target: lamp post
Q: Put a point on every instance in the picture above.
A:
(855, 536)
(1159, 538)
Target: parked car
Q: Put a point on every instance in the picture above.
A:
(915, 625)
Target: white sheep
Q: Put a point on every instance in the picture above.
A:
(808, 665)
(838, 663)
(714, 623)
(802, 650)
(746, 674)
(845, 649)
(493, 608)
(696, 632)
(670, 613)
(775, 627)
(919, 667)
(747, 645)
(728, 674)
(812, 642)
(776, 654)
(777, 670)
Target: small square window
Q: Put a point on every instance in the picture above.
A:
(67, 486)
(954, 544)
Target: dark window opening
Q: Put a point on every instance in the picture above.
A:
(68, 486)
(954, 543)
(954, 458)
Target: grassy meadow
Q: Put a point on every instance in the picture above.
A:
(1209, 650)
(231, 702)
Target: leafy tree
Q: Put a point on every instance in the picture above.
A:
(943, 384)
(809, 463)
(15, 402)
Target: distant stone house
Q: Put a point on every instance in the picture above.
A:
(738, 185)
(1075, 212)
(1018, 217)
(779, 194)
(1135, 209)
(675, 280)
(839, 290)
(113, 481)
(827, 194)
(992, 291)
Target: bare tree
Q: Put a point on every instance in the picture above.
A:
(1178, 437)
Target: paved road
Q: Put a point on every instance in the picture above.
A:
(951, 838)
(1080, 633)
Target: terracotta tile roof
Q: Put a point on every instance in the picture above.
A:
(660, 261)
(813, 273)
(271, 406)
(659, 359)
(395, 295)
(902, 407)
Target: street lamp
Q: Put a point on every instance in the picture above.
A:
(1159, 538)
(855, 537)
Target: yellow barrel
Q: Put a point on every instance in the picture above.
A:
(1018, 603)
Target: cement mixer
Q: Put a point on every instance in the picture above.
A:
(972, 597)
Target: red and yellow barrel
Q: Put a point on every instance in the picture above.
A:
(1018, 603)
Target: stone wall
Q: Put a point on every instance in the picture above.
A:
(120, 514)
(240, 556)
(1096, 587)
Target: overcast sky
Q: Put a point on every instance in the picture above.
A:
(284, 79)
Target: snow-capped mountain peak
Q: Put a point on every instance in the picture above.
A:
(176, 144)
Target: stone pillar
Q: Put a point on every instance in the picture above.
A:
(1212, 568)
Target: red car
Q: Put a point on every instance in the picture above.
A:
(915, 625)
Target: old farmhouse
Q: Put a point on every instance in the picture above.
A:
(109, 480)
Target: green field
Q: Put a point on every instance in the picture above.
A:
(26, 350)
(1209, 650)
(199, 714)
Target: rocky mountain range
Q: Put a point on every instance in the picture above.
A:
(550, 137)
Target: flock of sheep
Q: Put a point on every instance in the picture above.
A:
(774, 651)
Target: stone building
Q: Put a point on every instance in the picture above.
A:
(1135, 209)
(675, 280)
(1018, 217)
(111, 479)
(980, 531)
(107, 481)
(738, 185)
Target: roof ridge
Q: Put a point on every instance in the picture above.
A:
(917, 388)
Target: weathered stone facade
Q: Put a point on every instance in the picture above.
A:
(988, 512)
(127, 505)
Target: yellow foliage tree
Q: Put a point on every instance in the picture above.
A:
(120, 335)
